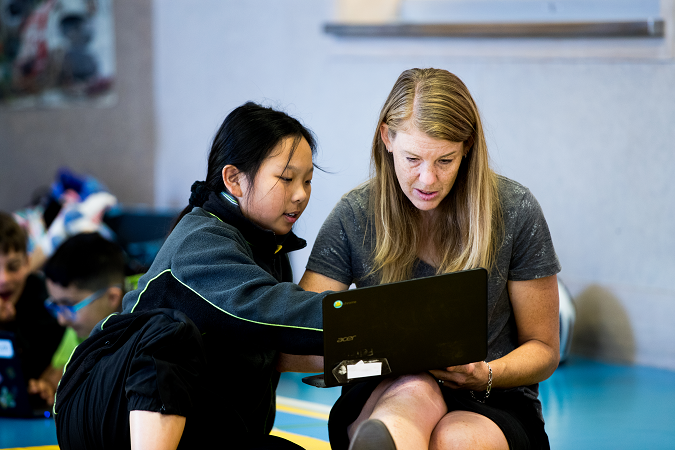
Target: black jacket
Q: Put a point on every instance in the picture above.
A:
(232, 280)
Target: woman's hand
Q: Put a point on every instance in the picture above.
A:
(472, 376)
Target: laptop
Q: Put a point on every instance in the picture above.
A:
(404, 327)
(14, 398)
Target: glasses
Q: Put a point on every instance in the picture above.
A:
(71, 310)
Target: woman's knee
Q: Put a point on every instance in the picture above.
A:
(414, 385)
(421, 388)
(467, 430)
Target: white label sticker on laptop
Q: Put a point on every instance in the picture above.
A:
(361, 369)
(6, 349)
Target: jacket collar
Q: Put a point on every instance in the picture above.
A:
(226, 208)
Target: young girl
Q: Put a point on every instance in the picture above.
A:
(194, 357)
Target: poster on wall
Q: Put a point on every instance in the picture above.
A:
(56, 53)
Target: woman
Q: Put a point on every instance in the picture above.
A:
(435, 206)
(194, 358)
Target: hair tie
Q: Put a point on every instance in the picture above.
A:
(200, 193)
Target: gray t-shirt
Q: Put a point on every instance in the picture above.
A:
(344, 246)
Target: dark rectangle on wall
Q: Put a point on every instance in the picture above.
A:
(638, 28)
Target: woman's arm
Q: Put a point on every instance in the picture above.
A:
(315, 282)
(535, 307)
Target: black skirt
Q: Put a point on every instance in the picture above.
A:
(515, 414)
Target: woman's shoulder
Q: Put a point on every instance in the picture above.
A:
(511, 188)
(512, 194)
(353, 204)
(358, 197)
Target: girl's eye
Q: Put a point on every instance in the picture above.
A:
(411, 159)
(286, 180)
(308, 182)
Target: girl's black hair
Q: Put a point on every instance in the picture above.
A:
(245, 139)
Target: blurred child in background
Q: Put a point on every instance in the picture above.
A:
(22, 296)
(85, 280)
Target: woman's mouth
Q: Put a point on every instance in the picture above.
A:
(426, 195)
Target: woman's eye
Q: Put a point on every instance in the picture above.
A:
(410, 159)
(445, 161)
(308, 182)
(286, 180)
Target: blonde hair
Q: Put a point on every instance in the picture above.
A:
(438, 104)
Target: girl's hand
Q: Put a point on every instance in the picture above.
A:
(472, 376)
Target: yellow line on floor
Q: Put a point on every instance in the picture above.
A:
(43, 447)
(308, 443)
(302, 412)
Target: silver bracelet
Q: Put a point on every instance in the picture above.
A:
(489, 386)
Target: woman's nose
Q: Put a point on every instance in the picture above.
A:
(427, 175)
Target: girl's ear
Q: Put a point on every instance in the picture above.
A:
(232, 178)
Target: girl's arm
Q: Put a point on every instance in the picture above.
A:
(299, 363)
(315, 282)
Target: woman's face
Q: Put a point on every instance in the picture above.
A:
(281, 189)
(426, 167)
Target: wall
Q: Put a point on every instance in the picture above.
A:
(116, 144)
(587, 125)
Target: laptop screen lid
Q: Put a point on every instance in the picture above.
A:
(405, 327)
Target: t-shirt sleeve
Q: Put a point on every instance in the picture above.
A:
(533, 255)
(331, 255)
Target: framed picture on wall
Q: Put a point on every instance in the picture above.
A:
(55, 53)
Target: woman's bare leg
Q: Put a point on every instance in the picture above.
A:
(155, 431)
(410, 406)
(467, 430)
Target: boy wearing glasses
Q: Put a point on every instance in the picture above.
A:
(85, 279)
(22, 294)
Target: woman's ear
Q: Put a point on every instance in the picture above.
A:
(384, 134)
(468, 145)
(232, 179)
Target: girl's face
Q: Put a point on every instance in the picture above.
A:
(281, 189)
(426, 167)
